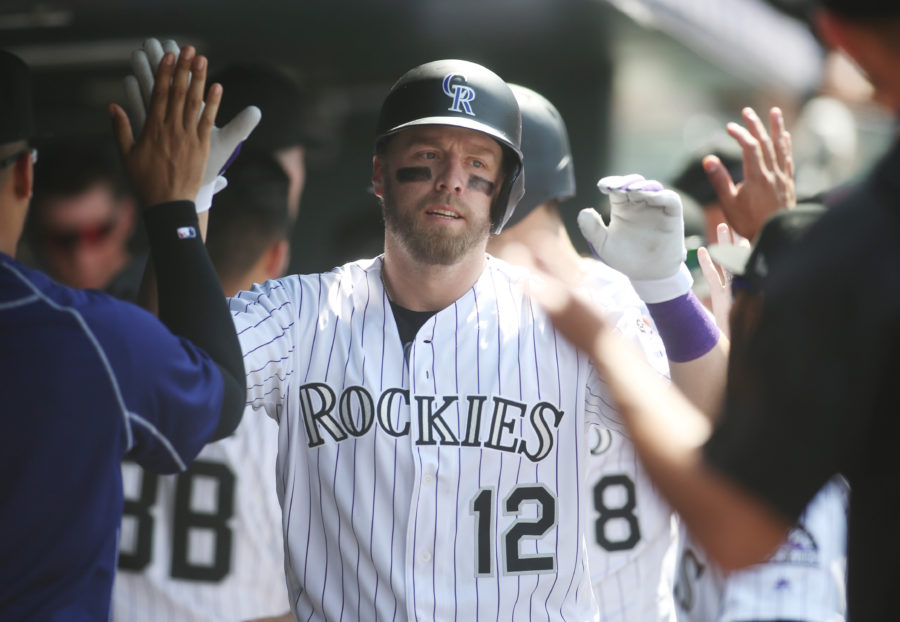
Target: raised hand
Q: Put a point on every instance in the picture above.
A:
(768, 183)
(168, 159)
(225, 142)
(645, 236)
(720, 282)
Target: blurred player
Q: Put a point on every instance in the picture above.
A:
(88, 378)
(817, 393)
(283, 131)
(632, 539)
(206, 545)
(83, 218)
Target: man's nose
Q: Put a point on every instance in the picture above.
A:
(451, 176)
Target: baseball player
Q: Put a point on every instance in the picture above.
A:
(87, 378)
(432, 427)
(804, 579)
(632, 539)
(206, 545)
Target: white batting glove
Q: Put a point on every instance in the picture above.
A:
(224, 143)
(645, 236)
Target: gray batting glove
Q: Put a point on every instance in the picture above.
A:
(645, 236)
(225, 142)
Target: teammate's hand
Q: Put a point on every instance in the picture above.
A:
(225, 142)
(170, 156)
(718, 278)
(645, 236)
(768, 183)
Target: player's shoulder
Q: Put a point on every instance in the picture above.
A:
(87, 309)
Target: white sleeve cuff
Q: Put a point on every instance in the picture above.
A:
(204, 197)
(668, 288)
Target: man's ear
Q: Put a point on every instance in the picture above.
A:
(377, 177)
(23, 177)
(276, 259)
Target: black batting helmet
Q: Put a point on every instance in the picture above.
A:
(463, 94)
(548, 157)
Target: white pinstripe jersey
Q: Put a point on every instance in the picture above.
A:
(205, 545)
(805, 580)
(633, 534)
(446, 485)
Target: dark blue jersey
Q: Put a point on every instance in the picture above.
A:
(84, 380)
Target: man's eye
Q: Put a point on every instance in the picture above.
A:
(477, 163)
(429, 155)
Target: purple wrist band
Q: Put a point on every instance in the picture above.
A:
(687, 330)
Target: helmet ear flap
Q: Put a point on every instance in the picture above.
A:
(510, 192)
(461, 94)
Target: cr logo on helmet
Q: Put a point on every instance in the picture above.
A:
(454, 86)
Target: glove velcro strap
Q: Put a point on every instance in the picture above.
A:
(661, 290)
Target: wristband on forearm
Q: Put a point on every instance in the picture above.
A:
(191, 301)
(687, 330)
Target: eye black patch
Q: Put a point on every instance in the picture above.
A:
(481, 185)
(413, 173)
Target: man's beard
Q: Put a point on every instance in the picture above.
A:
(432, 245)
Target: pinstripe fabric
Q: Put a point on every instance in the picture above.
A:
(254, 584)
(804, 580)
(632, 532)
(393, 474)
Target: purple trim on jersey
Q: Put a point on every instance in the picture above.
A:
(499, 570)
(521, 424)
(337, 461)
(537, 478)
(312, 348)
(384, 306)
(687, 330)
(437, 473)
(393, 527)
(478, 390)
(362, 345)
(556, 548)
(337, 457)
(578, 458)
(333, 477)
(265, 319)
(284, 330)
(415, 529)
(403, 370)
(459, 461)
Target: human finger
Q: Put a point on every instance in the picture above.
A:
(121, 129)
(719, 294)
(194, 102)
(725, 236)
(789, 154)
(752, 151)
(180, 82)
(720, 179)
(208, 118)
(135, 103)
(776, 126)
(758, 130)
